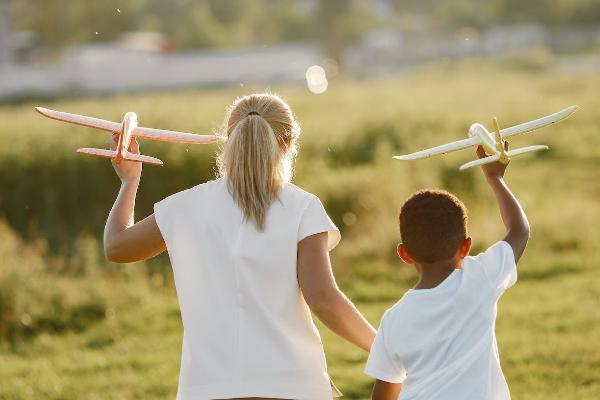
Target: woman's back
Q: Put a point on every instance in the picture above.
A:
(247, 326)
(250, 256)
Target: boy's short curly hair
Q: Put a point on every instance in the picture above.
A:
(433, 225)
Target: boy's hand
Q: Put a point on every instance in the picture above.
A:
(493, 170)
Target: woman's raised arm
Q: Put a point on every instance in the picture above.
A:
(124, 240)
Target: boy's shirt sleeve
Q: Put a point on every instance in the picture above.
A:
(498, 265)
(382, 364)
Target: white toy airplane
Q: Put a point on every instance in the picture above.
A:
(126, 131)
(492, 142)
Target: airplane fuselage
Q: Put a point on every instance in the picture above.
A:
(488, 139)
(128, 126)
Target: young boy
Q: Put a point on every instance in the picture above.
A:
(438, 342)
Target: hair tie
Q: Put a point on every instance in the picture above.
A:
(253, 113)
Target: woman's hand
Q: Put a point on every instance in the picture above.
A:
(128, 171)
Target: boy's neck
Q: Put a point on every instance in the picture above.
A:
(432, 274)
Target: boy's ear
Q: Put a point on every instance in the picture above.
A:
(403, 254)
(465, 247)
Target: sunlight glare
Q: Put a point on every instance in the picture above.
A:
(316, 79)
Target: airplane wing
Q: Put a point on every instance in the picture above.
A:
(97, 152)
(80, 120)
(537, 123)
(496, 157)
(172, 136)
(144, 159)
(445, 148)
(481, 161)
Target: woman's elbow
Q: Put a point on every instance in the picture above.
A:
(113, 253)
(323, 301)
(111, 256)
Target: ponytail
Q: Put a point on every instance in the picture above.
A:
(258, 153)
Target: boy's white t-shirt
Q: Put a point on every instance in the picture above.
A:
(440, 342)
(248, 331)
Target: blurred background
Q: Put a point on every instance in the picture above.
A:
(367, 80)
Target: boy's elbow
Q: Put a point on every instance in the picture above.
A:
(518, 236)
(526, 230)
(521, 231)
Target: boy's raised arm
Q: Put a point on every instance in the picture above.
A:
(513, 216)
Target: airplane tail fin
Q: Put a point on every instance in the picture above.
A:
(98, 152)
(143, 158)
(526, 149)
(113, 154)
(481, 161)
(496, 157)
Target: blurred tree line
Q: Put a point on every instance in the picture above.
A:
(451, 14)
(194, 23)
(233, 23)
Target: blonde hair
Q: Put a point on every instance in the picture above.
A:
(257, 158)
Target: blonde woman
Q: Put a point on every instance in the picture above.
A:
(250, 258)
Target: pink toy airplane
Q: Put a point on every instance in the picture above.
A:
(126, 131)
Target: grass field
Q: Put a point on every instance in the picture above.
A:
(74, 327)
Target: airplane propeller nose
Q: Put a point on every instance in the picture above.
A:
(473, 129)
(130, 116)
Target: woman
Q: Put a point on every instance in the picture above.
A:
(250, 258)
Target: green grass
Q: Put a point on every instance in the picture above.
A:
(129, 346)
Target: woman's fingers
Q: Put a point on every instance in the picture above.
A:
(481, 151)
(135, 146)
(112, 141)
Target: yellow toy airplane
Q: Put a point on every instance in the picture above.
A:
(126, 131)
(492, 142)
